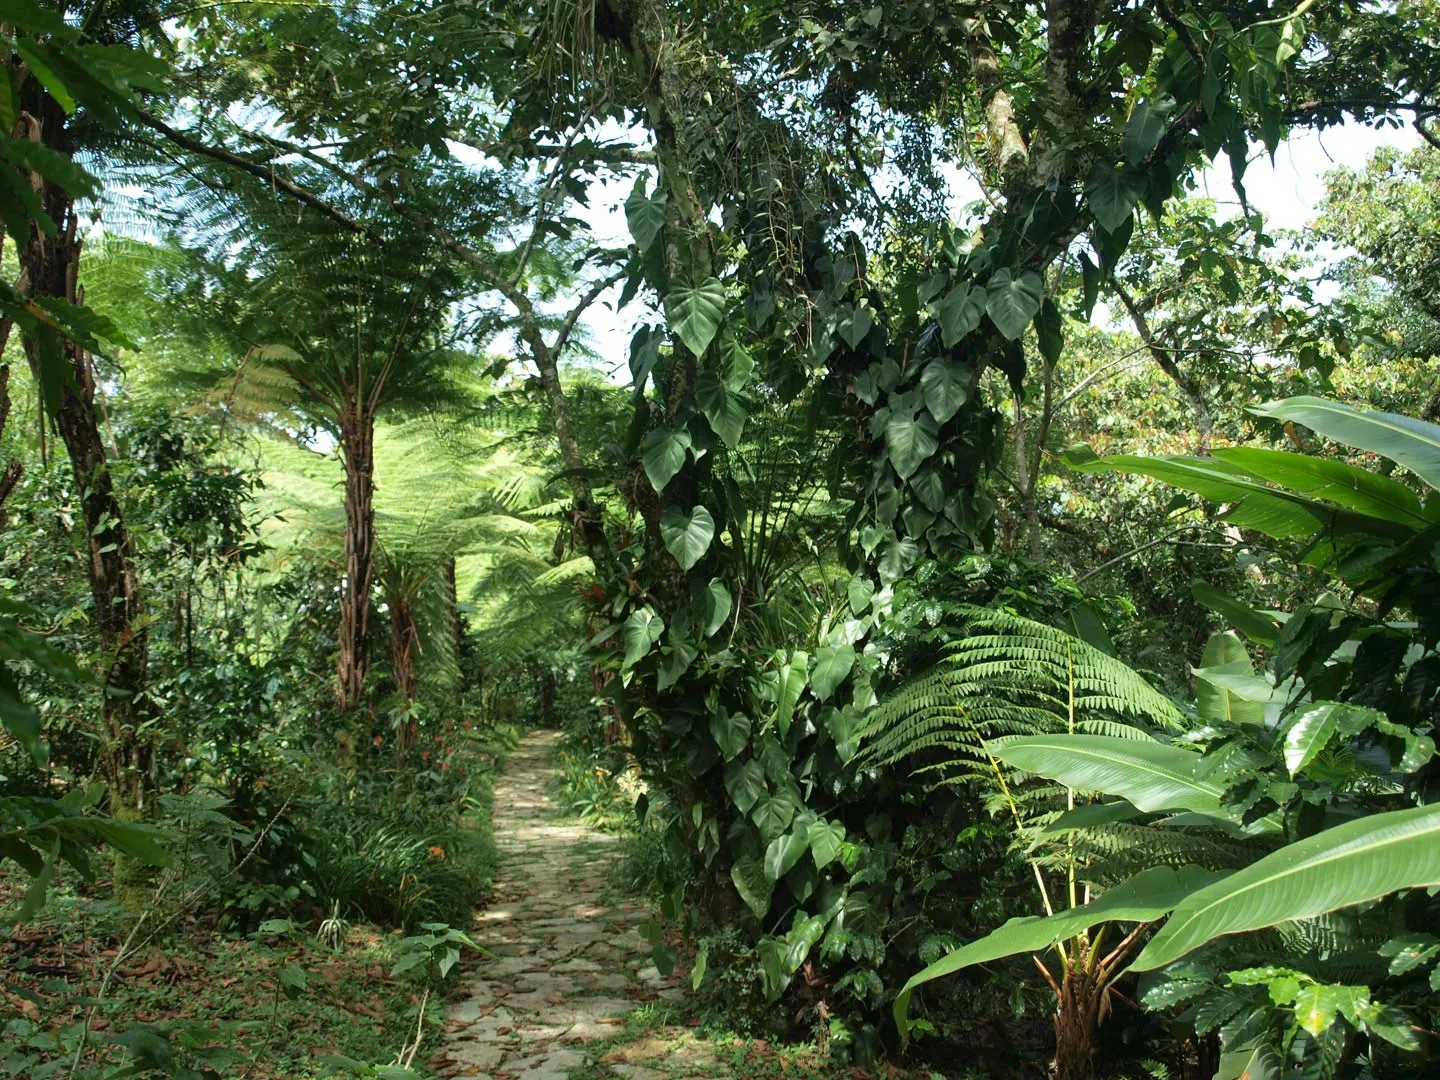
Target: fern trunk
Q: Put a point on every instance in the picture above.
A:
(403, 642)
(357, 443)
(49, 267)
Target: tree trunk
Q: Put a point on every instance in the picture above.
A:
(13, 469)
(49, 267)
(357, 445)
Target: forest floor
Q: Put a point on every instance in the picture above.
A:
(569, 988)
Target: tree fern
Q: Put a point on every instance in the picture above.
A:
(1011, 676)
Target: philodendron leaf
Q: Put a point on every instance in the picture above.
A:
(793, 675)
(784, 852)
(745, 782)
(731, 732)
(645, 214)
(825, 840)
(717, 606)
(1011, 302)
(687, 536)
(695, 310)
(854, 324)
(945, 387)
(1350, 864)
(832, 665)
(910, 439)
(959, 313)
(639, 634)
(748, 876)
(1112, 194)
(663, 454)
(1147, 896)
(725, 410)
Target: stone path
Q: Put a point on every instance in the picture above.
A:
(567, 965)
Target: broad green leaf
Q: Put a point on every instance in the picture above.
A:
(794, 673)
(736, 363)
(910, 439)
(645, 214)
(1412, 443)
(1050, 331)
(801, 939)
(748, 876)
(639, 634)
(731, 732)
(745, 782)
(1334, 481)
(1151, 775)
(687, 536)
(140, 842)
(725, 411)
(1277, 513)
(1350, 864)
(1112, 194)
(1145, 897)
(825, 840)
(859, 594)
(663, 454)
(1011, 302)
(897, 557)
(959, 313)
(718, 606)
(945, 387)
(1255, 626)
(784, 852)
(1258, 1062)
(676, 661)
(854, 324)
(695, 311)
(1225, 655)
(1146, 128)
(773, 814)
(832, 666)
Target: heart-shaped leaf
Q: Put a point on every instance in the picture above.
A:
(959, 313)
(1011, 302)
(1112, 194)
(784, 852)
(645, 214)
(854, 323)
(687, 536)
(745, 781)
(639, 635)
(663, 454)
(832, 665)
(725, 411)
(716, 605)
(825, 839)
(1146, 128)
(731, 732)
(793, 676)
(736, 363)
(945, 387)
(910, 438)
(695, 312)
(748, 877)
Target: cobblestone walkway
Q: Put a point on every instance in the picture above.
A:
(567, 965)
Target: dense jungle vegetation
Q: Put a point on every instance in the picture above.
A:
(988, 573)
